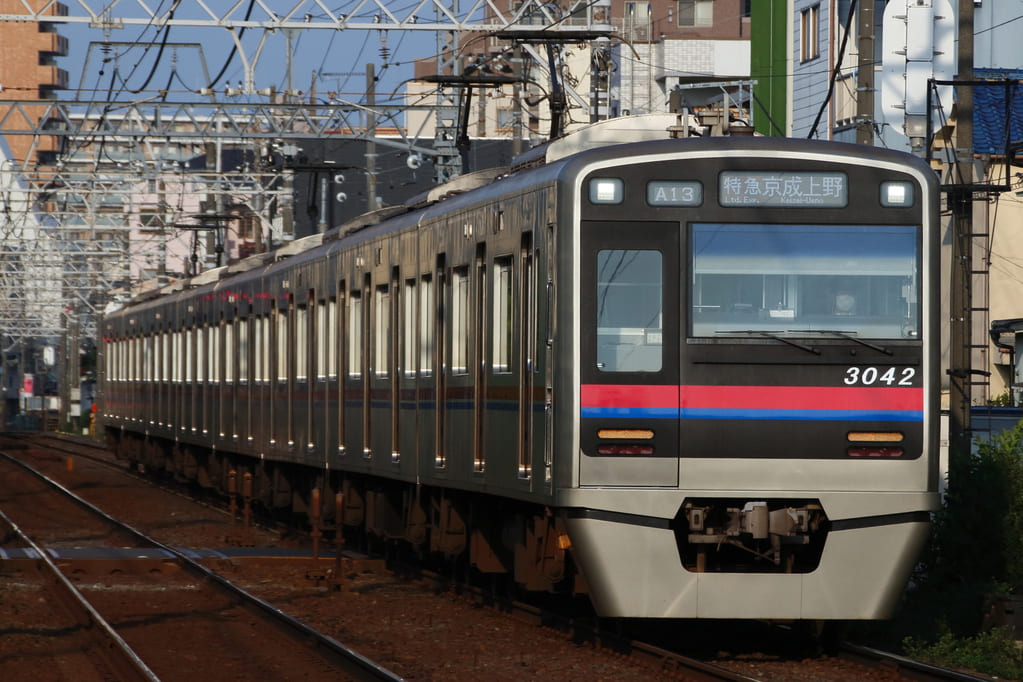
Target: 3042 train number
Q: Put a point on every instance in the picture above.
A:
(868, 376)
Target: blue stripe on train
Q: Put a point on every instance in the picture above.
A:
(719, 413)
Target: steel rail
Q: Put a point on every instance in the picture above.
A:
(110, 646)
(907, 667)
(344, 658)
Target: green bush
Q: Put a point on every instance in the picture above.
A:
(993, 652)
(976, 550)
(978, 534)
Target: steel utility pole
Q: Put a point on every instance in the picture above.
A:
(961, 285)
(865, 74)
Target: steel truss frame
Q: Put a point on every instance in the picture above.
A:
(50, 219)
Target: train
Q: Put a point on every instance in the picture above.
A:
(688, 377)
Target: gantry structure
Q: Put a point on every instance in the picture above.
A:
(150, 184)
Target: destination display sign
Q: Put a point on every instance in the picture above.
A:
(757, 188)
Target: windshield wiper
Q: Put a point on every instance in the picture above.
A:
(773, 335)
(850, 336)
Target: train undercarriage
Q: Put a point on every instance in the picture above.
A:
(524, 542)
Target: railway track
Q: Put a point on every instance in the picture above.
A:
(667, 663)
(187, 603)
(906, 667)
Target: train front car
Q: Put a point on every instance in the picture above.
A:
(754, 399)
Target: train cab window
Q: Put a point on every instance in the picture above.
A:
(629, 310)
(460, 321)
(382, 331)
(796, 280)
(501, 352)
(426, 326)
(355, 335)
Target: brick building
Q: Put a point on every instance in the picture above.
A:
(28, 71)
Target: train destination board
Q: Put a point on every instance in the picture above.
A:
(755, 188)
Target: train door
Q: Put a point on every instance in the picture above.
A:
(503, 400)
(354, 381)
(458, 427)
(405, 423)
(428, 382)
(629, 353)
(305, 311)
(380, 404)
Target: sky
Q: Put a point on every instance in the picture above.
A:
(193, 56)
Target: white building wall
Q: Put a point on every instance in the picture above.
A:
(646, 81)
(810, 78)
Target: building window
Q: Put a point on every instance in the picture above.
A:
(808, 46)
(696, 12)
(638, 21)
(505, 118)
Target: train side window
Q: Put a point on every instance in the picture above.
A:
(175, 361)
(243, 350)
(200, 354)
(258, 350)
(215, 355)
(460, 321)
(266, 347)
(147, 358)
(282, 345)
(301, 342)
(355, 334)
(629, 310)
(149, 368)
(409, 328)
(189, 354)
(322, 331)
(501, 355)
(426, 326)
(330, 337)
(167, 355)
(229, 352)
(382, 331)
(108, 361)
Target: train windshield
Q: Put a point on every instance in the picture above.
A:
(794, 280)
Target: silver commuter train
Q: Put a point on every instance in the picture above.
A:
(692, 378)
